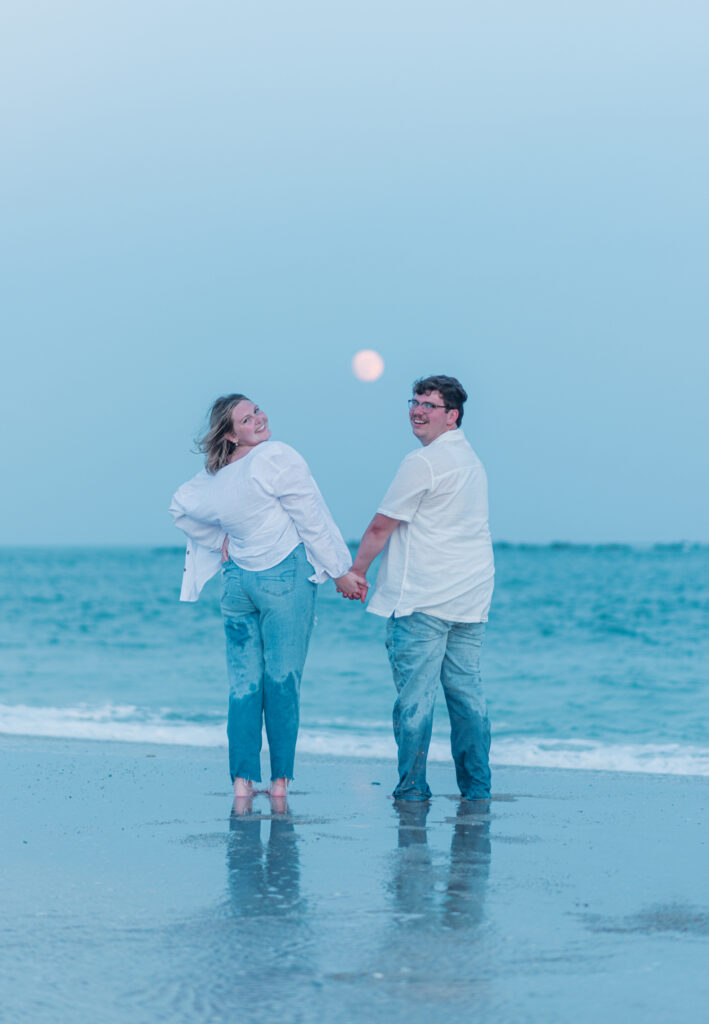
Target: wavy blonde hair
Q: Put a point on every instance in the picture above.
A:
(215, 444)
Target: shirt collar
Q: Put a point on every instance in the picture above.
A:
(448, 436)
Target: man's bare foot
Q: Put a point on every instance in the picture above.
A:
(243, 788)
(278, 787)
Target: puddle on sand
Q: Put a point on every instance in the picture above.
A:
(679, 918)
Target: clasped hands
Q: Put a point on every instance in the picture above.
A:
(353, 585)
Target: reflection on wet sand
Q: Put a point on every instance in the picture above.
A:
(435, 891)
(264, 877)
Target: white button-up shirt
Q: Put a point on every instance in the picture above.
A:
(439, 559)
(267, 503)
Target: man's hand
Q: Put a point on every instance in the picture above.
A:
(353, 586)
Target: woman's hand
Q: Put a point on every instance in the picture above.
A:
(225, 549)
(352, 586)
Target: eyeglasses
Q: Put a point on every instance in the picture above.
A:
(426, 406)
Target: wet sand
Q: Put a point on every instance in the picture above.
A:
(131, 893)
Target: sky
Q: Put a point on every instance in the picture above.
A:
(204, 198)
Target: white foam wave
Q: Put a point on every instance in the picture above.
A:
(590, 755)
(123, 724)
(129, 724)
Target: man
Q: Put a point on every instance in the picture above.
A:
(435, 587)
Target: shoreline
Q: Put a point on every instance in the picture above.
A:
(576, 894)
(508, 752)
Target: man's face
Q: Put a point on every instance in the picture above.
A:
(430, 418)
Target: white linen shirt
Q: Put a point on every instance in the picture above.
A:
(267, 503)
(439, 559)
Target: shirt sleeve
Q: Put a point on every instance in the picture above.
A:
(184, 508)
(413, 479)
(294, 487)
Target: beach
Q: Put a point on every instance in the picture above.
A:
(133, 893)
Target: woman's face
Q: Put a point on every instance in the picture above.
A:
(250, 425)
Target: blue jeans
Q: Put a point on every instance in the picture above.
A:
(268, 619)
(423, 650)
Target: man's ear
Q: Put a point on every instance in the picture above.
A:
(454, 420)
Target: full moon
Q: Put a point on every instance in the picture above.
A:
(367, 365)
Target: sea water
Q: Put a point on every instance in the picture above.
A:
(594, 658)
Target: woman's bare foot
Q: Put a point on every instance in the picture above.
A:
(279, 804)
(278, 787)
(243, 804)
(243, 788)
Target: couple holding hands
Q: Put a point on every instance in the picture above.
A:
(256, 511)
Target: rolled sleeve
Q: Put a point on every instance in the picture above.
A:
(412, 481)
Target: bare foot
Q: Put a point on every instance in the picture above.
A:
(278, 787)
(243, 804)
(243, 788)
(279, 804)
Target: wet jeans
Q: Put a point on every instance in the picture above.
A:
(424, 650)
(268, 619)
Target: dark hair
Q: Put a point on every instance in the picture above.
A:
(215, 444)
(450, 389)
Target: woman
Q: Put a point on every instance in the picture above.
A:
(256, 506)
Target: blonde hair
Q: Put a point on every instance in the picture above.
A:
(215, 444)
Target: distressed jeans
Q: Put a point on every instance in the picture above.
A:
(268, 619)
(424, 650)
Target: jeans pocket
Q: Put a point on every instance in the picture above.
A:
(277, 582)
(234, 600)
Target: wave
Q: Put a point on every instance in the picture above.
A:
(593, 755)
(119, 723)
(129, 724)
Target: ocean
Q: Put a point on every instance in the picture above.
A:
(596, 657)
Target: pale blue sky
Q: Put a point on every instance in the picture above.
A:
(214, 197)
